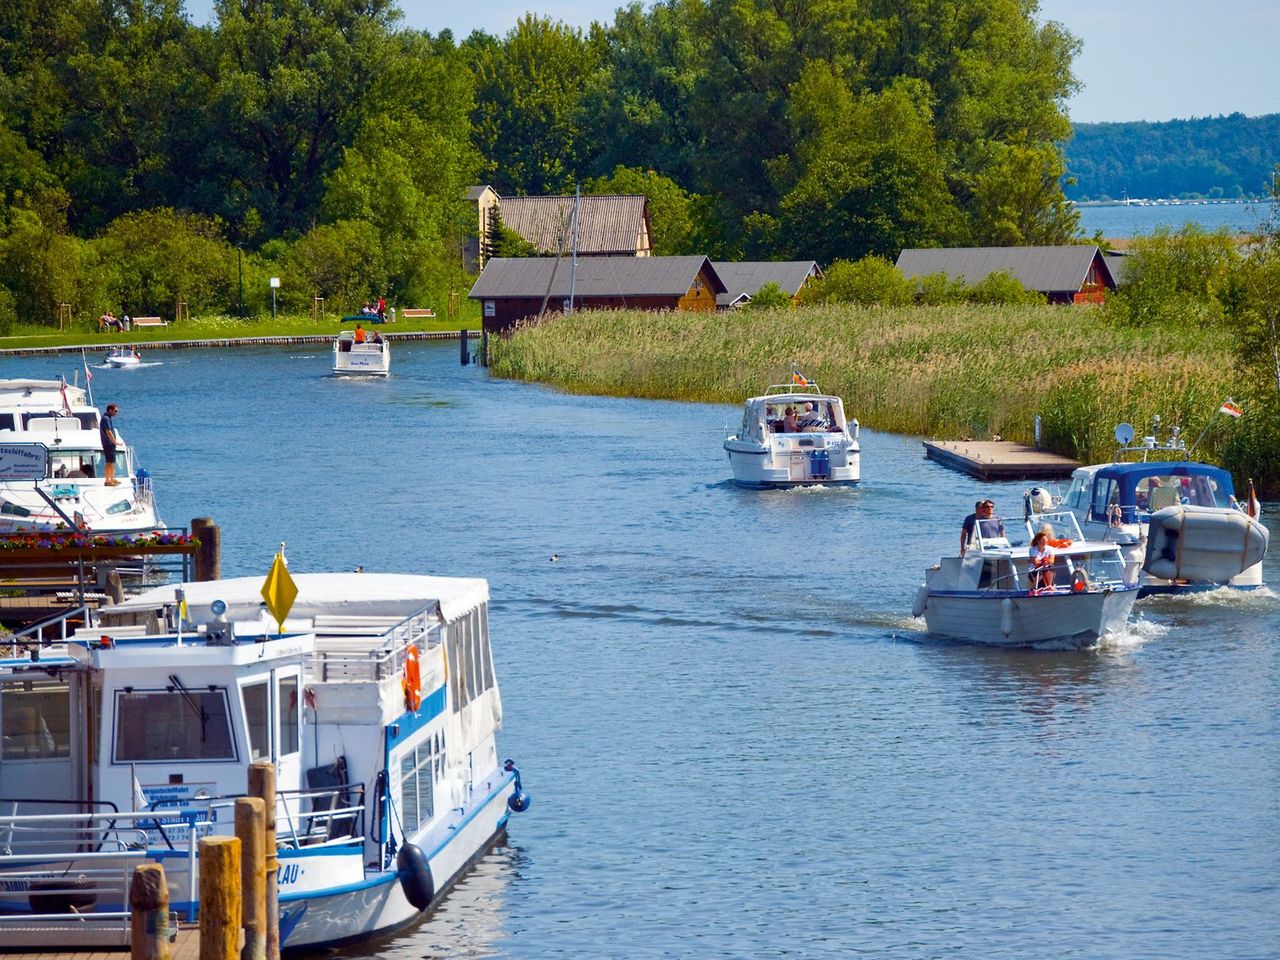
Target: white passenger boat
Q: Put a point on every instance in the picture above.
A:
(991, 594)
(378, 706)
(1177, 521)
(56, 420)
(794, 435)
(370, 358)
(122, 357)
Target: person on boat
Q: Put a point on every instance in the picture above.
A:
(984, 520)
(377, 337)
(359, 336)
(1040, 562)
(110, 441)
(1143, 497)
(811, 420)
(789, 422)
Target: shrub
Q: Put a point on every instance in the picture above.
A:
(871, 280)
(770, 297)
(1003, 288)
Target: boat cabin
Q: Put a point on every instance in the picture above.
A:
(1127, 492)
(997, 557)
(814, 413)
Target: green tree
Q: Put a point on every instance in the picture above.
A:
(770, 297)
(341, 262)
(671, 209)
(871, 280)
(1001, 287)
(1177, 276)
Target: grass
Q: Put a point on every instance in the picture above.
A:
(217, 326)
(951, 372)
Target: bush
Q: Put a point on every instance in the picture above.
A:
(1002, 288)
(938, 289)
(341, 262)
(871, 280)
(770, 297)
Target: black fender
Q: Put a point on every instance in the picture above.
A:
(415, 876)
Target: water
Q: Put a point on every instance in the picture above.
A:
(1120, 220)
(738, 742)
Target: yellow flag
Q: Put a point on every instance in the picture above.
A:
(279, 591)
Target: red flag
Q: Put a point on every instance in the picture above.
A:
(1231, 409)
(66, 405)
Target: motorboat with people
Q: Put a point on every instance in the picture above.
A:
(360, 353)
(54, 425)
(794, 435)
(120, 357)
(1177, 521)
(375, 700)
(1029, 580)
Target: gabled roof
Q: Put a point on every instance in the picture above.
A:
(606, 224)
(1045, 269)
(744, 280)
(476, 192)
(525, 277)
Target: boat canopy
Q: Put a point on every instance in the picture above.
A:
(1154, 485)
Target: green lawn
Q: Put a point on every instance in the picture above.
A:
(212, 327)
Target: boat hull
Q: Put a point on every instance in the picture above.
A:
(763, 468)
(1021, 620)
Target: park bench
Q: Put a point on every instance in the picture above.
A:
(149, 322)
(412, 313)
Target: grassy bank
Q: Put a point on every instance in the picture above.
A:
(213, 327)
(945, 371)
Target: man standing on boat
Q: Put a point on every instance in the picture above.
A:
(983, 517)
(110, 440)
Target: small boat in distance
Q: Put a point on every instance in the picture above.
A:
(794, 435)
(377, 703)
(1177, 521)
(357, 353)
(122, 357)
(996, 593)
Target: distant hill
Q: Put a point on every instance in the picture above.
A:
(1214, 157)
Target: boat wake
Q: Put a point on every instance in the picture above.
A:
(1261, 599)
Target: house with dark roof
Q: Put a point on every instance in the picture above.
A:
(743, 280)
(511, 289)
(1066, 274)
(608, 225)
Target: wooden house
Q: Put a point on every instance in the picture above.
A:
(1066, 274)
(515, 289)
(743, 280)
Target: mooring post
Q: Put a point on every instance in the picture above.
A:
(219, 898)
(251, 830)
(209, 555)
(262, 784)
(462, 347)
(484, 346)
(149, 913)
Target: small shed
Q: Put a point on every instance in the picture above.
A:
(515, 289)
(1067, 274)
(744, 279)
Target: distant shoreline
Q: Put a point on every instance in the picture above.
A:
(1166, 202)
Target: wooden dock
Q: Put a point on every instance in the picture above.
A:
(186, 946)
(999, 460)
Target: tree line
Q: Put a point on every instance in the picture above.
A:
(146, 160)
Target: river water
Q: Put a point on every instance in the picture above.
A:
(738, 741)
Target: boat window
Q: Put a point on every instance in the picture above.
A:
(417, 795)
(13, 510)
(74, 464)
(1158, 492)
(288, 715)
(1105, 493)
(1075, 496)
(35, 720)
(166, 725)
(257, 718)
(6, 421)
(470, 659)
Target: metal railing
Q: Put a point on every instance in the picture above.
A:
(421, 629)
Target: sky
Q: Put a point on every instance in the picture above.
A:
(1142, 59)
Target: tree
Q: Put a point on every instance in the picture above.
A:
(770, 297)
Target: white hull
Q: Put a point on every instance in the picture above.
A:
(781, 463)
(362, 359)
(1080, 619)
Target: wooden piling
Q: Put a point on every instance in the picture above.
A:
(209, 556)
(262, 784)
(149, 913)
(220, 906)
(465, 357)
(251, 830)
(115, 586)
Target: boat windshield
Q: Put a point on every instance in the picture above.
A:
(1058, 524)
(1157, 492)
(75, 464)
(811, 415)
(1018, 531)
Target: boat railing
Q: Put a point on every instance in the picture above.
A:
(44, 633)
(336, 813)
(782, 389)
(334, 661)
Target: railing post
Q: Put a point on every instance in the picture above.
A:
(219, 898)
(251, 830)
(149, 913)
(262, 784)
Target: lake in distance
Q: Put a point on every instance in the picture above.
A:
(738, 741)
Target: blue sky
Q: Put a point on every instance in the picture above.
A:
(1142, 59)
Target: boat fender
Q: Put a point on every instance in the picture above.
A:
(1006, 617)
(415, 876)
(519, 801)
(922, 601)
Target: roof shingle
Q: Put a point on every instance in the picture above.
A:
(521, 277)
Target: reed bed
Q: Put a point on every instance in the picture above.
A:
(952, 371)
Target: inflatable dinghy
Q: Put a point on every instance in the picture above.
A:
(1205, 544)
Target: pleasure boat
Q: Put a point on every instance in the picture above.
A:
(370, 358)
(122, 357)
(54, 423)
(1177, 521)
(810, 445)
(994, 594)
(376, 703)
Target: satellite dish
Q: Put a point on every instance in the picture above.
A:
(219, 607)
(1124, 434)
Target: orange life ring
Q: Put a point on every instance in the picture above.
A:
(412, 681)
(1059, 544)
